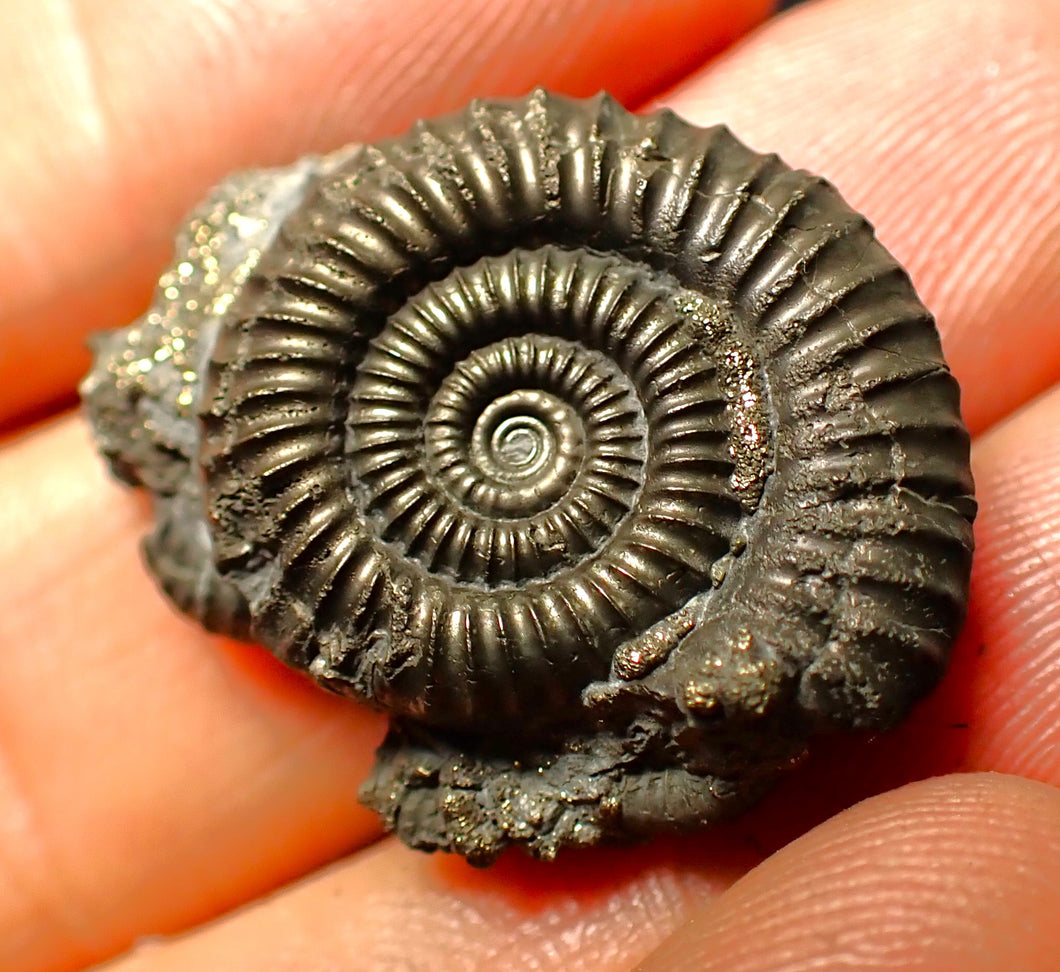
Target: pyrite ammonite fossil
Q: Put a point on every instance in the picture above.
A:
(611, 458)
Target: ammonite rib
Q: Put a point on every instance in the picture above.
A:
(612, 458)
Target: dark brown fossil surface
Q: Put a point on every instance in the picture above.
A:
(611, 458)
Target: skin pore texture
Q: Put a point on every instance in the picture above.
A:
(153, 778)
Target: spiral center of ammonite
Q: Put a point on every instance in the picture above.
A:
(518, 443)
(508, 451)
(527, 440)
(512, 443)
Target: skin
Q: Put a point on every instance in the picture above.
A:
(155, 780)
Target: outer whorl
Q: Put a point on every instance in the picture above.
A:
(612, 458)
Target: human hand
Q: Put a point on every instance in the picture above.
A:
(153, 777)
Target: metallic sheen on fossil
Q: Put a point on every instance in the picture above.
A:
(612, 459)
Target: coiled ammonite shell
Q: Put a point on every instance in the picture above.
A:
(611, 458)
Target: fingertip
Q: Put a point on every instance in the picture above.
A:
(951, 873)
(1014, 698)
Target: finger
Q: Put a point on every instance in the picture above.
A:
(109, 143)
(1012, 659)
(952, 873)
(598, 911)
(941, 122)
(150, 775)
